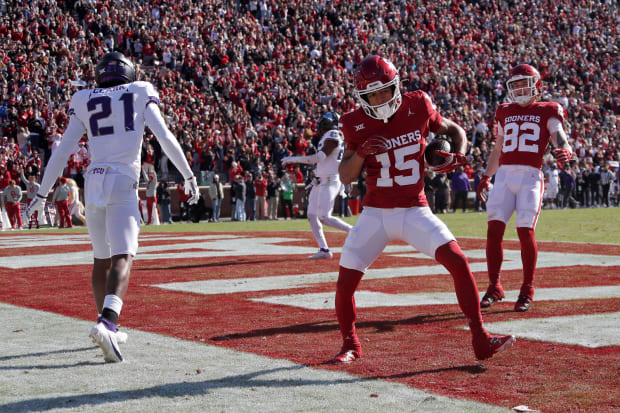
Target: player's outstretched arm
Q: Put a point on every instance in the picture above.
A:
(168, 142)
(172, 149)
(58, 160)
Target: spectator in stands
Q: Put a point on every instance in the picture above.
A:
(238, 193)
(287, 186)
(260, 186)
(151, 195)
(183, 205)
(61, 200)
(607, 179)
(460, 188)
(236, 85)
(250, 197)
(12, 195)
(216, 192)
(273, 196)
(163, 201)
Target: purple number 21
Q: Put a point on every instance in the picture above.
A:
(104, 103)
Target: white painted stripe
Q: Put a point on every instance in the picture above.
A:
(592, 330)
(212, 246)
(512, 261)
(371, 299)
(67, 373)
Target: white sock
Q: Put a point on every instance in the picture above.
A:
(113, 302)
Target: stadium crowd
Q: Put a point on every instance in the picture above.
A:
(242, 83)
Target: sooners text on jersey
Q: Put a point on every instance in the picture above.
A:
(395, 178)
(525, 131)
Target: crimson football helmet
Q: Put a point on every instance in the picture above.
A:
(373, 74)
(533, 87)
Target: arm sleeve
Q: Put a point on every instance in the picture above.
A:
(59, 158)
(168, 142)
(554, 125)
(310, 159)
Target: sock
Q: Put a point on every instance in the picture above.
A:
(348, 281)
(495, 249)
(529, 255)
(112, 305)
(450, 256)
(109, 324)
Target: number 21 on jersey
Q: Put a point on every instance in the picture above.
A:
(100, 108)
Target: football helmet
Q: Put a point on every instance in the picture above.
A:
(373, 74)
(533, 87)
(328, 121)
(114, 69)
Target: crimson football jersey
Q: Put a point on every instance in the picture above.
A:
(395, 179)
(526, 135)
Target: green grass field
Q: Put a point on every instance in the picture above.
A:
(580, 225)
(577, 225)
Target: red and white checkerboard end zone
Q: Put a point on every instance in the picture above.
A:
(212, 302)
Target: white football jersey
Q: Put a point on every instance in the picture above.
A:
(114, 120)
(329, 165)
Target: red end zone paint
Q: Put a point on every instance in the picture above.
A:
(421, 346)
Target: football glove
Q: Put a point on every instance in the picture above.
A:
(36, 205)
(373, 146)
(453, 161)
(191, 188)
(483, 188)
(287, 160)
(562, 155)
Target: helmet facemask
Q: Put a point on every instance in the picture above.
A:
(385, 110)
(531, 90)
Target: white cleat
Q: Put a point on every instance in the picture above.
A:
(121, 337)
(321, 254)
(106, 339)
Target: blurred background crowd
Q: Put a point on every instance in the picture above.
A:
(242, 83)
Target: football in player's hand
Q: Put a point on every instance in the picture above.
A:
(432, 159)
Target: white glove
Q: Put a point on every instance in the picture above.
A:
(191, 187)
(36, 205)
(288, 159)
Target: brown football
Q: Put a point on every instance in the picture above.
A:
(433, 146)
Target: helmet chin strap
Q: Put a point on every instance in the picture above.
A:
(384, 112)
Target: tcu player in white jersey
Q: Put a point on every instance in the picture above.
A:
(524, 128)
(113, 115)
(327, 184)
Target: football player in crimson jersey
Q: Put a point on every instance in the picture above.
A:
(113, 115)
(524, 128)
(388, 135)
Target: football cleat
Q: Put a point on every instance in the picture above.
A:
(523, 303)
(494, 293)
(106, 339)
(486, 346)
(121, 337)
(346, 356)
(351, 350)
(321, 254)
